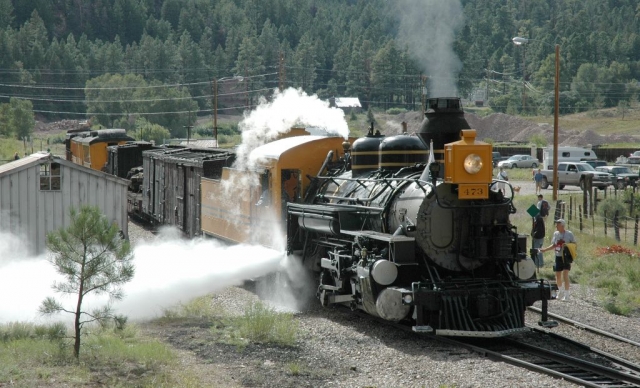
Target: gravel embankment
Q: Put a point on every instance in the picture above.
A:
(339, 349)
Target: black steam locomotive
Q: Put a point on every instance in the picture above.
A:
(427, 244)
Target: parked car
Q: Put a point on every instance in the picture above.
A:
(621, 176)
(574, 174)
(634, 158)
(497, 158)
(595, 163)
(520, 161)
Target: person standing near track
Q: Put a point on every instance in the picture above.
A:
(537, 234)
(503, 176)
(543, 206)
(537, 177)
(562, 266)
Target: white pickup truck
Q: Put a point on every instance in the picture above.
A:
(573, 174)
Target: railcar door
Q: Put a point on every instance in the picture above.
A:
(181, 190)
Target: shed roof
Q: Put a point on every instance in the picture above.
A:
(43, 156)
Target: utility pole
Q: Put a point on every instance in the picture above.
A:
(423, 79)
(188, 127)
(215, 111)
(282, 74)
(524, 78)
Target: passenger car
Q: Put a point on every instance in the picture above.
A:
(621, 176)
(521, 161)
(634, 158)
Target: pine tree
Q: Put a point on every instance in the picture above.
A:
(94, 259)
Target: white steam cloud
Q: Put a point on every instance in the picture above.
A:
(287, 109)
(429, 28)
(167, 272)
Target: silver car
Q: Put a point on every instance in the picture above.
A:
(520, 161)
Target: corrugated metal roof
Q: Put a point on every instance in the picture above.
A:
(40, 156)
(200, 143)
(25, 161)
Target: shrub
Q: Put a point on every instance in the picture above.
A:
(264, 324)
(396, 111)
(608, 208)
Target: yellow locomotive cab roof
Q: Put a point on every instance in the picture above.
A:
(278, 148)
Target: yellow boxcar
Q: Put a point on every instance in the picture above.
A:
(249, 206)
(91, 151)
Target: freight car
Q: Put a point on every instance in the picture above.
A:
(170, 190)
(124, 157)
(426, 244)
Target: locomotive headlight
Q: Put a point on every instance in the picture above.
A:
(407, 298)
(473, 163)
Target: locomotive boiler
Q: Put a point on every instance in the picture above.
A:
(429, 244)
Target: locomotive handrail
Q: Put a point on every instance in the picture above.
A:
(362, 207)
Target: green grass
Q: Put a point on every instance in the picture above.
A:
(259, 324)
(8, 146)
(38, 355)
(616, 276)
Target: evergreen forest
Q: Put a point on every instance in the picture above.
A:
(161, 62)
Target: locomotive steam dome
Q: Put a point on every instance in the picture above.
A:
(402, 151)
(364, 153)
(443, 122)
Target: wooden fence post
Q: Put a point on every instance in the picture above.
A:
(570, 207)
(585, 201)
(616, 227)
(605, 223)
(635, 232)
(580, 216)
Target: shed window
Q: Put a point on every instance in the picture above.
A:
(50, 176)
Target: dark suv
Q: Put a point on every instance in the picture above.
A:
(621, 176)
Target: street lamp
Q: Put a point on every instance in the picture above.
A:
(524, 71)
(215, 102)
(521, 41)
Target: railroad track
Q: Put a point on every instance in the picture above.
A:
(606, 370)
(610, 371)
(585, 327)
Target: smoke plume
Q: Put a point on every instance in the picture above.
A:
(428, 28)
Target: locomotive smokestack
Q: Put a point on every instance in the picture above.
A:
(443, 122)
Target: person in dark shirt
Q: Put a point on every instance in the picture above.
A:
(537, 234)
(543, 206)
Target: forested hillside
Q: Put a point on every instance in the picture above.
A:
(123, 62)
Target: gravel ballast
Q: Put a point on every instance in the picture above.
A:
(337, 348)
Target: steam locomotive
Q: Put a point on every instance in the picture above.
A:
(427, 244)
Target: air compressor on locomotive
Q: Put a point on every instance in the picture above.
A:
(429, 245)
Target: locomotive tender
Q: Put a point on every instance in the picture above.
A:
(427, 244)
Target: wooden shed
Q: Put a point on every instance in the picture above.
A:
(37, 191)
